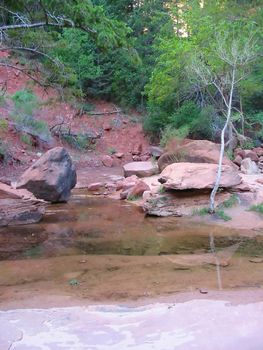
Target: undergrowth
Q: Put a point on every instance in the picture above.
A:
(258, 208)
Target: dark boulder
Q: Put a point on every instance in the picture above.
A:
(51, 177)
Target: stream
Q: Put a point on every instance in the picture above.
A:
(99, 249)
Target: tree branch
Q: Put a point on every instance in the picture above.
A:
(221, 93)
(43, 24)
(20, 48)
(24, 71)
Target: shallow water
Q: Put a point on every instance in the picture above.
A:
(99, 248)
(88, 225)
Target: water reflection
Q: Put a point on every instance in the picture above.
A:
(113, 252)
(104, 226)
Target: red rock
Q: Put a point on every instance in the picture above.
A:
(156, 151)
(124, 194)
(258, 151)
(136, 158)
(194, 151)
(138, 190)
(119, 185)
(237, 151)
(126, 183)
(110, 186)
(250, 154)
(184, 176)
(145, 158)
(50, 178)
(119, 155)
(243, 187)
(249, 167)
(137, 149)
(95, 186)
(107, 126)
(107, 161)
(141, 169)
(238, 160)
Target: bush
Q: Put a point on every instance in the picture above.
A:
(25, 104)
(80, 141)
(112, 150)
(188, 119)
(34, 126)
(231, 202)
(169, 133)
(25, 138)
(258, 208)
(25, 101)
(3, 125)
(5, 154)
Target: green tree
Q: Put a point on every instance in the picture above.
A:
(172, 85)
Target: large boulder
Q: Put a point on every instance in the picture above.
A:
(185, 176)
(193, 151)
(140, 169)
(51, 177)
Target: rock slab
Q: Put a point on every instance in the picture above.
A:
(20, 211)
(51, 177)
(186, 176)
(19, 207)
(193, 151)
(140, 169)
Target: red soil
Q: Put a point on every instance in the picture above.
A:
(125, 132)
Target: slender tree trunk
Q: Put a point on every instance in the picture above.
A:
(222, 148)
(242, 118)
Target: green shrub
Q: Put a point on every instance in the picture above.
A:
(25, 138)
(231, 202)
(230, 154)
(258, 208)
(84, 107)
(219, 213)
(25, 101)
(112, 150)
(155, 121)
(3, 125)
(35, 126)
(256, 125)
(161, 189)
(5, 154)
(248, 144)
(200, 212)
(222, 215)
(186, 120)
(169, 133)
(80, 141)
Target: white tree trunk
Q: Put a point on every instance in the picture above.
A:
(222, 147)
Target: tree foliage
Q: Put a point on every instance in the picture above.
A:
(139, 54)
(174, 83)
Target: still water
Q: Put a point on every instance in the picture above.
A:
(99, 248)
